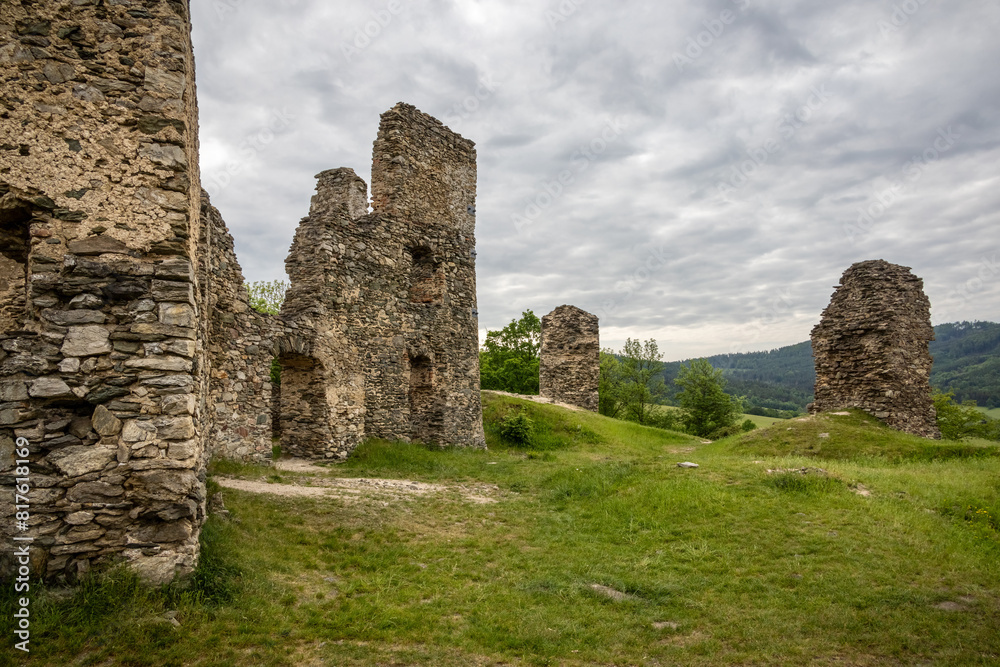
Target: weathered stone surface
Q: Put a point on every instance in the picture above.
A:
(381, 335)
(79, 518)
(161, 363)
(871, 348)
(49, 387)
(569, 359)
(97, 245)
(95, 492)
(177, 314)
(175, 428)
(77, 461)
(86, 341)
(105, 423)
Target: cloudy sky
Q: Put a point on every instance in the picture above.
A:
(701, 173)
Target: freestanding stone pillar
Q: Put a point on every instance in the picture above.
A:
(570, 360)
(871, 348)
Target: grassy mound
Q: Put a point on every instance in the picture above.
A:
(854, 436)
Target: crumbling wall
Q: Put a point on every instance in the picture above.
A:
(570, 357)
(240, 346)
(102, 368)
(871, 348)
(381, 323)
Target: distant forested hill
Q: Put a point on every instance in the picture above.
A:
(966, 361)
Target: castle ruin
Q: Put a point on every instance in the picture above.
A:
(570, 357)
(381, 322)
(871, 348)
(128, 351)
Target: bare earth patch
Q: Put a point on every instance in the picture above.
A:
(535, 399)
(355, 488)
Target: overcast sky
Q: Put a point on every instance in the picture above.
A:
(701, 173)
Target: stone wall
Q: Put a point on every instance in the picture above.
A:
(102, 366)
(570, 357)
(381, 329)
(872, 348)
(240, 347)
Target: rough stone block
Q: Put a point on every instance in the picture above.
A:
(77, 461)
(86, 341)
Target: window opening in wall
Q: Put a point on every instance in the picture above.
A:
(15, 243)
(426, 278)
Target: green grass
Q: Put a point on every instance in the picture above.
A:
(758, 420)
(720, 565)
(993, 413)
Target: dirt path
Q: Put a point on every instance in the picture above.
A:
(317, 481)
(535, 399)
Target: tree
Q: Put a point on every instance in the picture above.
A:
(609, 391)
(267, 297)
(959, 421)
(707, 407)
(641, 385)
(508, 360)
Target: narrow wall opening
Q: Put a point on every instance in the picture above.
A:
(426, 277)
(426, 413)
(15, 244)
(303, 406)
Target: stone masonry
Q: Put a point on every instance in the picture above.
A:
(380, 318)
(569, 361)
(240, 347)
(116, 286)
(102, 363)
(871, 348)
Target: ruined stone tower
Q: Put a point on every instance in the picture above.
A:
(871, 348)
(570, 358)
(114, 281)
(381, 332)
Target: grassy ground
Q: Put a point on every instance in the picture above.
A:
(758, 420)
(599, 550)
(992, 412)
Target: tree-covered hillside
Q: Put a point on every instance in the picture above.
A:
(966, 361)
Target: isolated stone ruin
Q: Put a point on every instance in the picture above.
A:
(381, 324)
(871, 348)
(128, 351)
(570, 357)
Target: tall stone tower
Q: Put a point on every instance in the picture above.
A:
(102, 367)
(570, 357)
(871, 348)
(381, 323)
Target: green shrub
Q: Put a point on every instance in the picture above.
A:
(517, 429)
(747, 425)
